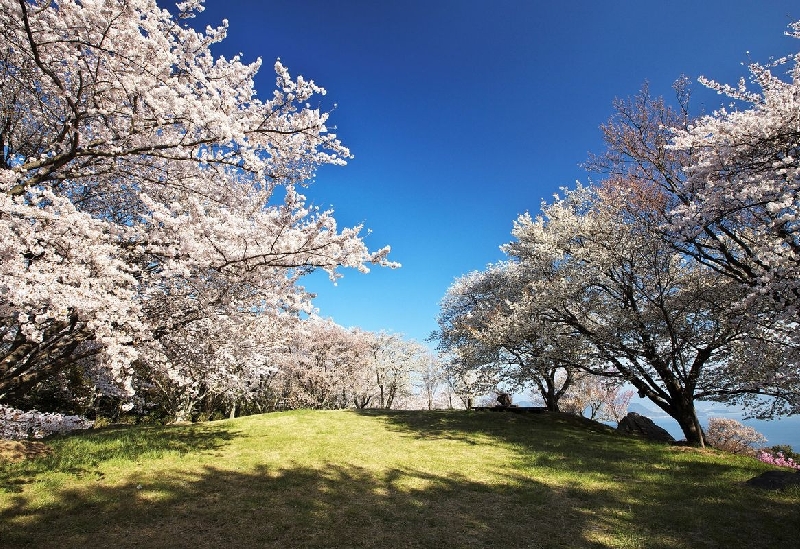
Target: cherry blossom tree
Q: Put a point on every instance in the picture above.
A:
(663, 153)
(594, 262)
(728, 180)
(430, 379)
(600, 398)
(329, 366)
(135, 161)
(394, 360)
(221, 359)
(732, 436)
(464, 382)
(318, 370)
(485, 323)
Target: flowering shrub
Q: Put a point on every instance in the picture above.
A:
(730, 435)
(784, 449)
(17, 424)
(777, 459)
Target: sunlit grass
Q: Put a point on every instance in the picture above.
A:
(386, 479)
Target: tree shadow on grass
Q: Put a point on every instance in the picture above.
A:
(662, 495)
(341, 507)
(550, 438)
(134, 442)
(331, 507)
(81, 453)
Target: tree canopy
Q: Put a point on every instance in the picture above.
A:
(147, 193)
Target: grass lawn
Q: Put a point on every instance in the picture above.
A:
(388, 480)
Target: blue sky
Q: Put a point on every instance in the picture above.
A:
(463, 114)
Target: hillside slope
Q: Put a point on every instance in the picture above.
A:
(386, 479)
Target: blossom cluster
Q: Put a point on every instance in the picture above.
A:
(17, 424)
(777, 459)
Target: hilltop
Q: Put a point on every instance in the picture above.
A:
(386, 479)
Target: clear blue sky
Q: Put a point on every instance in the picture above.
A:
(463, 114)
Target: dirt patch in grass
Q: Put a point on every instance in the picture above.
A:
(17, 450)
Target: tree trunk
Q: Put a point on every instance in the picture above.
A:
(551, 396)
(686, 417)
(183, 413)
(391, 395)
(551, 404)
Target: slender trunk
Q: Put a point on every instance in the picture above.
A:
(551, 396)
(233, 411)
(391, 395)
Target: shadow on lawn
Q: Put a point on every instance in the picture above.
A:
(134, 442)
(554, 434)
(665, 496)
(338, 507)
(81, 453)
(332, 507)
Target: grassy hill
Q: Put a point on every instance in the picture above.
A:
(389, 480)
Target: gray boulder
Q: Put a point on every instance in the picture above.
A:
(643, 426)
(775, 480)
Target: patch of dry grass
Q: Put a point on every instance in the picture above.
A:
(17, 450)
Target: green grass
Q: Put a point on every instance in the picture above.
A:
(388, 480)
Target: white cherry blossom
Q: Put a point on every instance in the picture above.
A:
(133, 161)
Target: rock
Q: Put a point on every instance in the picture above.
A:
(643, 426)
(775, 480)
